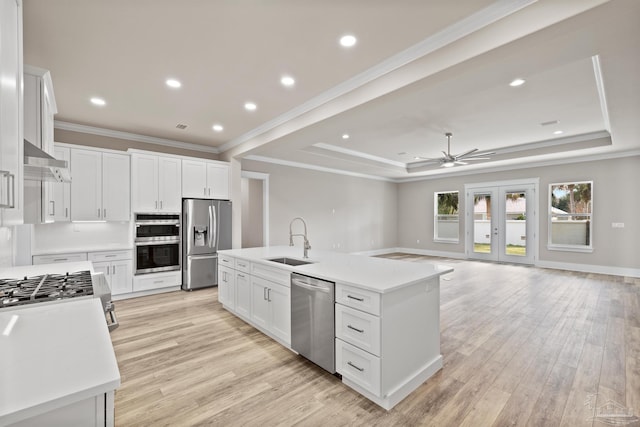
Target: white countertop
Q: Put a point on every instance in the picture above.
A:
(376, 274)
(38, 270)
(54, 355)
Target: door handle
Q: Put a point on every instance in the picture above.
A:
(98, 212)
(104, 213)
(113, 269)
(10, 190)
(269, 294)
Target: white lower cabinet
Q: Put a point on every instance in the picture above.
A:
(262, 296)
(153, 281)
(56, 258)
(95, 411)
(243, 294)
(117, 267)
(226, 286)
(358, 366)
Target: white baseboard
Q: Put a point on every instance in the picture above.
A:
(144, 293)
(588, 268)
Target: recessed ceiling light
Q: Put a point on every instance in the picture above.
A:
(348, 40)
(217, 128)
(345, 136)
(516, 82)
(250, 106)
(558, 132)
(173, 83)
(287, 81)
(98, 101)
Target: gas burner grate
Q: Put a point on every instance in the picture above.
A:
(49, 287)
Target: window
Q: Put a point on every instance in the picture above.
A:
(570, 210)
(445, 228)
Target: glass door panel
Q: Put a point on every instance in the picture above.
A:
(515, 214)
(482, 223)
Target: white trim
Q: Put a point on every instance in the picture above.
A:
(429, 252)
(314, 167)
(264, 177)
(472, 23)
(590, 268)
(520, 166)
(375, 252)
(91, 130)
(597, 71)
(359, 154)
(509, 183)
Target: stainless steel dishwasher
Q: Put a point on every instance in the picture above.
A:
(313, 320)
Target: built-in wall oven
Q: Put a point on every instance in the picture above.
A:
(157, 242)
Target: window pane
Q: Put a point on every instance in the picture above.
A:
(446, 216)
(516, 224)
(482, 223)
(570, 214)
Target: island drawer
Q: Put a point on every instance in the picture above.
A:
(110, 256)
(274, 274)
(51, 259)
(358, 366)
(227, 261)
(358, 328)
(243, 265)
(359, 299)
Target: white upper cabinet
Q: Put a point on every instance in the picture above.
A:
(205, 179)
(11, 113)
(58, 194)
(156, 183)
(100, 186)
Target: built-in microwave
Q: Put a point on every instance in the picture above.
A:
(157, 242)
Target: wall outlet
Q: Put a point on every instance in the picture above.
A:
(617, 225)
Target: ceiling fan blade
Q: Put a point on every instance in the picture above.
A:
(481, 154)
(466, 153)
(468, 159)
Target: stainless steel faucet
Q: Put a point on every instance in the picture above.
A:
(307, 246)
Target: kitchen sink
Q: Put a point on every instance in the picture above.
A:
(290, 261)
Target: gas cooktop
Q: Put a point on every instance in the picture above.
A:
(48, 287)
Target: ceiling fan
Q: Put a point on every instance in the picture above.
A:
(450, 160)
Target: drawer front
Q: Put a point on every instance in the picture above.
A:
(227, 261)
(358, 366)
(110, 256)
(147, 282)
(279, 275)
(358, 328)
(359, 299)
(52, 259)
(243, 265)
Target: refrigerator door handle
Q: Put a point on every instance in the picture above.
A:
(213, 224)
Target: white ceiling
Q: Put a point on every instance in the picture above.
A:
(421, 68)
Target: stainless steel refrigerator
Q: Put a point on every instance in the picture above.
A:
(206, 228)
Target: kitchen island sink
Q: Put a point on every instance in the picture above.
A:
(290, 261)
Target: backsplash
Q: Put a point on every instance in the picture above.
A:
(6, 247)
(80, 236)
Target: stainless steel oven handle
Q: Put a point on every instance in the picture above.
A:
(158, 242)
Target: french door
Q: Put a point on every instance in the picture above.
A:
(501, 221)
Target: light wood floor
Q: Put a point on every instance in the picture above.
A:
(521, 346)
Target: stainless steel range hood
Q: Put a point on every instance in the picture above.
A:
(41, 166)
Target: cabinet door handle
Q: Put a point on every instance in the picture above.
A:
(10, 190)
(113, 269)
(355, 329)
(66, 212)
(264, 294)
(104, 213)
(205, 191)
(269, 294)
(354, 366)
(156, 204)
(52, 203)
(209, 191)
(355, 298)
(241, 275)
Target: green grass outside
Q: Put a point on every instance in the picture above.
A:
(485, 248)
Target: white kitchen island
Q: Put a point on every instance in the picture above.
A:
(58, 363)
(387, 312)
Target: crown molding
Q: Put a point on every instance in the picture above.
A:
(133, 137)
(472, 23)
(597, 72)
(315, 168)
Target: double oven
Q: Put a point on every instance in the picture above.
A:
(157, 242)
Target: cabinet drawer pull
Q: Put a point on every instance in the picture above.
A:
(241, 275)
(356, 367)
(242, 265)
(60, 259)
(158, 281)
(264, 294)
(355, 329)
(355, 298)
(110, 256)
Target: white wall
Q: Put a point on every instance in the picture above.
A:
(343, 213)
(6, 247)
(66, 236)
(615, 199)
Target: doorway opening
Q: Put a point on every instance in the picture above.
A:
(501, 221)
(255, 209)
